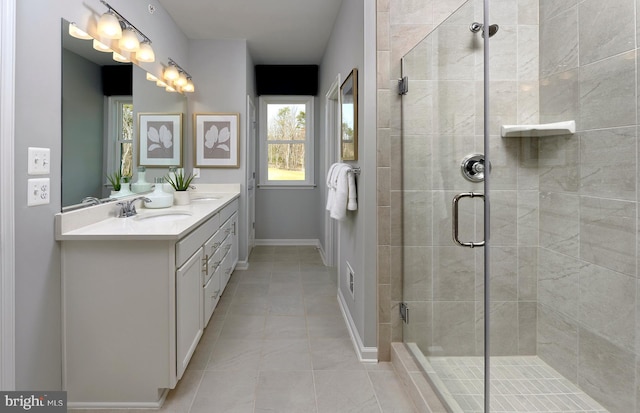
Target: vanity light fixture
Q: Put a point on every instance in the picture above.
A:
(120, 58)
(127, 33)
(160, 83)
(78, 33)
(178, 77)
(101, 47)
(151, 77)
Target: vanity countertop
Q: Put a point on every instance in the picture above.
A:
(100, 223)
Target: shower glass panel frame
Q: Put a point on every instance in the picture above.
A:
(443, 121)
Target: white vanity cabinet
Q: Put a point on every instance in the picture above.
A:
(135, 307)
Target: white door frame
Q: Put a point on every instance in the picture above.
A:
(7, 208)
(251, 178)
(332, 133)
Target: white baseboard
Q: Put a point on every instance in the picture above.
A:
(289, 242)
(118, 405)
(242, 265)
(365, 354)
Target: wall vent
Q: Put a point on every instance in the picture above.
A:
(351, 280)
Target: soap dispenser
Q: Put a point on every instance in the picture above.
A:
(159, 198)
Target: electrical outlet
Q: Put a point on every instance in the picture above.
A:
(39, 160)
(38, 190)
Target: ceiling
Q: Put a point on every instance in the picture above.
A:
(277, 31)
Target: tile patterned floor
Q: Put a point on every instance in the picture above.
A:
(518, 384)
(277, 343)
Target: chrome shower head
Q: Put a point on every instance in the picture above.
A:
(475, 27)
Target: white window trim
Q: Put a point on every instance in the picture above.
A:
(113, 128)
(309, 160)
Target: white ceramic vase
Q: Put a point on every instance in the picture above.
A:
(181, 198)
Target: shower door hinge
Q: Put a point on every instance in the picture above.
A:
(404, 312)
(403, 86)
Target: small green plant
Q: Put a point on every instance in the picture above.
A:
(115, 179)
(181, 182)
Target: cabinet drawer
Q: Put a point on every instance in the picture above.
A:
(228, 210)
(211, 297)
(213, 265)
(194, 240)
(214, 243)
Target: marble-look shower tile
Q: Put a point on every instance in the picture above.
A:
(560, 223)
(608, 233)
(559, 42)
(528, 53)
(551, 8)
(454, 327)
(606, 372)
(608, 93)
(527, 273)
(527, 326)
(529, 106)
(384, 148)
(444, 10)
(504, 46)
(558, 342)
(503, 105)
(418, 64)
(410, 12)
(607, 157)
(608, 305)
(454, 112)
(420, 326)
(528, 218)
(504, 218)
(558, 282)
(560, 98)
(383, 32)
(453, 274)
(405, 36)
(448, 152)
(417, 118)
(504, 161)
(559, 164)
(504, 275)
(417, 283)
(453, 54)
(503, 328)
(528, 12)
(597, 39)
(416, 212)
(502, 12)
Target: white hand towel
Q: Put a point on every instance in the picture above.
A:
(353, 195)
(331, 191)
(339, 208)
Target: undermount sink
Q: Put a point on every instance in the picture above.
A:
(206, 198)
(163, 216)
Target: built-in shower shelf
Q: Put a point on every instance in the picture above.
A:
(545, 129)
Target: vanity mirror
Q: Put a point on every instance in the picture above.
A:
(101, 99)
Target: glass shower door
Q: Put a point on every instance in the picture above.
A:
(442, 153)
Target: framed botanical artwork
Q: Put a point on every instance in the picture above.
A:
(160, 139)
(217, 140)
(349, 124)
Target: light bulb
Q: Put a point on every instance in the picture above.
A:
(101, 47)
(76, 32)
(109, 26)
(181, 80)
(189, 86)
(129, 41)
(171, 73)
(120, 58)
(145, 53)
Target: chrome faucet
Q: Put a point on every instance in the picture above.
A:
(128, 208)
(91, 200)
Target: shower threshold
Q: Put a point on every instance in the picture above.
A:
(518, 384)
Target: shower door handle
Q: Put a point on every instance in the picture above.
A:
(456, 202)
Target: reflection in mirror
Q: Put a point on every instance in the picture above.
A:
(100, 102)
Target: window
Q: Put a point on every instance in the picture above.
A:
(120, 132)
(286, 141)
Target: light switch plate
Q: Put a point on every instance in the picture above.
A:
(38, 190)
(38, 161)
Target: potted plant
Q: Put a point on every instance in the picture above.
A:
(180, 183)
(115, 179)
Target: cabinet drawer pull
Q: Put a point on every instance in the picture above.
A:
(215, 294)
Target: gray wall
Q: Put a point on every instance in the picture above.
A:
(220, 68)
(346, 51)
(588, 326)
(38, 123)
(82, 111)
